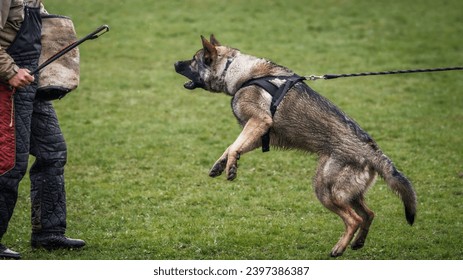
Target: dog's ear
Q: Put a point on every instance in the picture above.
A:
(210, 53)
(214, 41)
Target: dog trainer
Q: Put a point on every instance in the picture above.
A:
(29, 125)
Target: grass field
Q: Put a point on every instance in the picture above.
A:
(140, 145)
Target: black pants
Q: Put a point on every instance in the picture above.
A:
(37, 133)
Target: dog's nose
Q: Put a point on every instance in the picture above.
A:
(180, 66)
(177, 65)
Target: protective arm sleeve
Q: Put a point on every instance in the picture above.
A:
(8, 67)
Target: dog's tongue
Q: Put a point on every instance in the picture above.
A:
(190, 85)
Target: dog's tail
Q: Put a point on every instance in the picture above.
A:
(397, 182)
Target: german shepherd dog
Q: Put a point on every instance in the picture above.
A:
(348, 158)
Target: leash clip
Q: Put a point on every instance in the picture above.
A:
(314, 78)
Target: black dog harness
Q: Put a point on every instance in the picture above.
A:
(277, 93)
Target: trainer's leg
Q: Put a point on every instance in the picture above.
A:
(48, 197)
(9, 182)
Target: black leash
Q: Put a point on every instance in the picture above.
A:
(278, 92)
(334, 76)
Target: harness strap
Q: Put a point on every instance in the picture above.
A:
(277, 93)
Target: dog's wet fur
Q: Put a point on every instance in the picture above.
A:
(348, 158)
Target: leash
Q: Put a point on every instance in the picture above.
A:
(278, 92)
(334, 76)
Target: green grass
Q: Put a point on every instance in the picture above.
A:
(140, 145)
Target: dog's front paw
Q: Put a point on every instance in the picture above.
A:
(231, 174)
(217, 169)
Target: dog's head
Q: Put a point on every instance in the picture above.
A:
(207, 68)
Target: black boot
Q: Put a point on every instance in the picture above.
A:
(53, 241)
(6, 253)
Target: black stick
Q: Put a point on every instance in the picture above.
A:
(95, 34)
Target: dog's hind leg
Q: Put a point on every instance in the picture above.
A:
(367, 216)
(351, 219)
(352, 222)
(362, 180)
(336, 191)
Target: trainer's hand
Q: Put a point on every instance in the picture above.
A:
(21, 79)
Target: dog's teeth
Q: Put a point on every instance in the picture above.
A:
(190, 85)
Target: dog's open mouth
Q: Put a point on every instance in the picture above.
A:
(184, 68)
